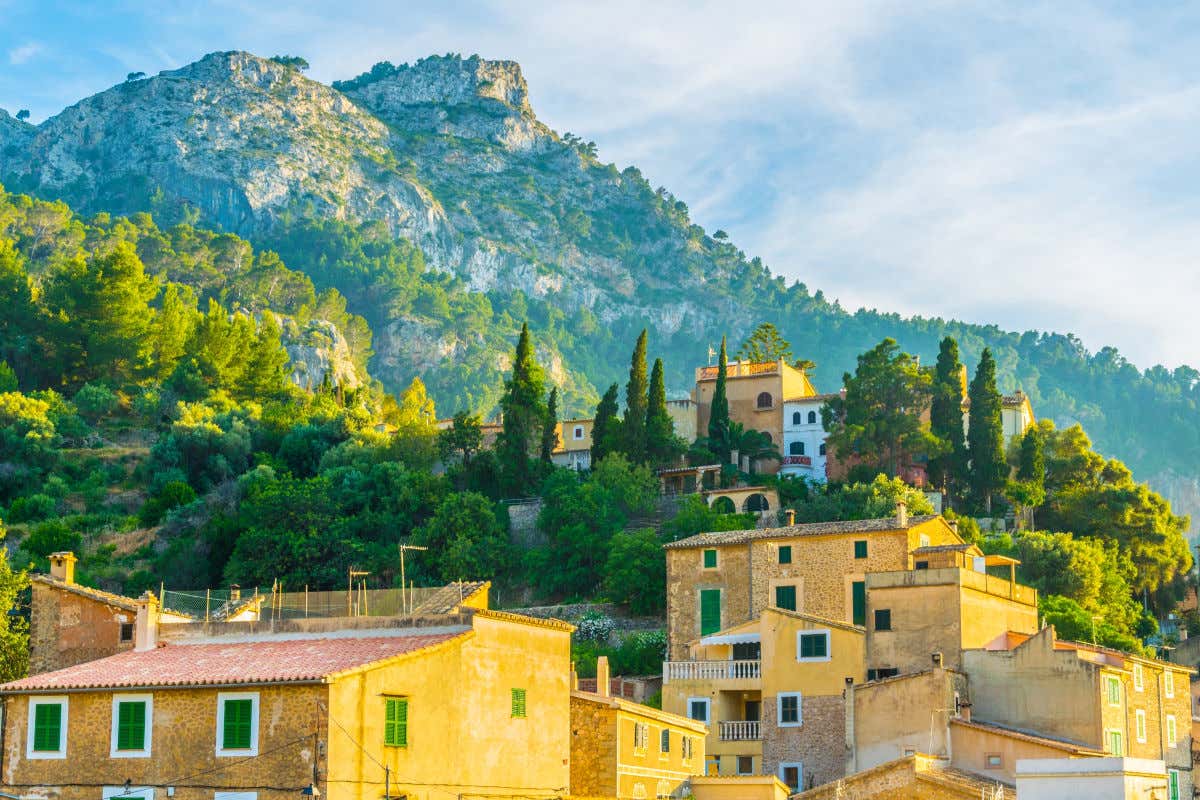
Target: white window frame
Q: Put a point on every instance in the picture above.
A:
(641, 733)
(1168, 683)
(799, 773)
(737, 765)
(799, 710)
(1172, 731)
(52, 700)
(121, 793)
(235, 795)
(1139, 683)
(1109, 680)
(707, 709)
(117, 699)
(1139, 726)
(254, 723)
(578, 432)
(815, 659)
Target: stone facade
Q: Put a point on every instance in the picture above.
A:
(819, 744)
(593, 749)
(70, 625)
(915, 777)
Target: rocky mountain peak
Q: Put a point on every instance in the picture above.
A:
(441, 80)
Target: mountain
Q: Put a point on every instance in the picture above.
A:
(434, 200)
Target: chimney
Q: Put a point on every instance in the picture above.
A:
(603, 681)
(790, 515)
(62, 566)
(901, 514)
(145, 631)
(954, 525)
(235, 593)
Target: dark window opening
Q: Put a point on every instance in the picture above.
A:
(883, 619)
(765, 401)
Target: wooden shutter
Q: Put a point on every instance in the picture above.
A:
(859, 601)
(710, 611)
(518, 702)
(395, 726)
(131, 726)
(238, 722)
(47, 727)
(785, 597)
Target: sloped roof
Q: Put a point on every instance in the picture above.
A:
(108, 598)
(302, 660)
(448, 599)
(805, 529)
(1028, 736)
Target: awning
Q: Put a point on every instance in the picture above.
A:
(731, 638)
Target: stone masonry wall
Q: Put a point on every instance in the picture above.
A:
(819, 744)
(593, 749)
(67, 629)
(686, 577)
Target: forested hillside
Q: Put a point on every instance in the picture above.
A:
(434, 201)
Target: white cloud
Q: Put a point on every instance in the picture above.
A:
(24, 52)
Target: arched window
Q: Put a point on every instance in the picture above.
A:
(822, 450)
(812, 417)
(723, 505)
(764, 400)
(796, 449)
(767, 437)
(756, 502)
(796, 418)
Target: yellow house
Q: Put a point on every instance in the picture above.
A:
(573, 444)
(772, 692)
(719, 580)
(630, 751)
(478, 704)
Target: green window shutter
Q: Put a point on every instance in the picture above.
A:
(814, 645)
(131, 725)
(47, 727)
(859, 600)
(1173, 784)
(710, 611)
(710, 559)
(785, 597)
(239, 721)
(860, 549)
(785, 554)
(518, 702)
(395, 725)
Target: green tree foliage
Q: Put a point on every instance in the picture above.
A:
(606, 428)
(948, 470)
(14, 629)
(524, 415)
(764, 344)
(466, 540)
(696, 516)
(462, 440)
(1027, 490)
(633, 433)
(820, 502)
(878, 420)
(550, 427)
(663, 447)
(265, 373)
(203, 447)
(988, 471)
(8, 378)
(416, 436)
(636, 571)
(718, 419)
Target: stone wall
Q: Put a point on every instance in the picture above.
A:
(819, 744)
(67, 629)
(522, 523)
(895, 780)
(593, 749)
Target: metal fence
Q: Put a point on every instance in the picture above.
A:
(218, 604)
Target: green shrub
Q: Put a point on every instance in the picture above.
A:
(95, 401)
(51, 537)
(31, 509)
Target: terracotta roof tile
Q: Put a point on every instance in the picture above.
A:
(226, 663)
(806, 529)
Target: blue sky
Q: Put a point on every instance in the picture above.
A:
(1028, 165)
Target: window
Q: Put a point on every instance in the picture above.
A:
(821, 449)
(858, 602)
(1171, 732)
(1140, 717)
(791, 772)
(921, 565)
(1112, 686)
(812, 646)
(860, 549)
(785, 554)
(1114, 743)
(994, 761)
(126, 634)
(687, 747)
(710, 559)
(1138, 680)
(764, 400)
(796, 449)
(795, 417)
(1168, 683)
(883, 619)
(923, 540)
(641, 733)
(1173, 784)
(237, 724)
(664, 741)
(747, 651)
(698, 708)
(785, 597)
(518, 703)
(395, 721)
(789, 709)
(812, 418)
(132, 721)
(47, 736)
(710, 611)
(578, 431)
(882, 672)
(745, 765)
(132, 793)
(235, 795)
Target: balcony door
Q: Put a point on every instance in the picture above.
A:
(747, 651)
(753, 710)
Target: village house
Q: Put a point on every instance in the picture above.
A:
(804, 449)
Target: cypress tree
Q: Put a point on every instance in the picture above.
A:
(606, 428)
(947, 471)
(718, 416)
(1032, 463)
(634, 426)
(524, 416)
(660, 428)
(988, 467)
(550, 426)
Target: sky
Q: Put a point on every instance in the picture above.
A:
(1033, 166)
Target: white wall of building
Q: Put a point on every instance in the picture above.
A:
(803, 447)
(1091, 779)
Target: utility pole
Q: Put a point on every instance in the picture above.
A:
(405, 601)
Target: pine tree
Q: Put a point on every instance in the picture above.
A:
(633, 438)
(524, 416)
(550, 427)
(765, 344)
(172, 326)
(718, 416)
(948, 470)
(266, 370)
(661, 444)
(606, 428)
(988, 467)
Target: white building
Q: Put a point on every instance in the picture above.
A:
(803, 447)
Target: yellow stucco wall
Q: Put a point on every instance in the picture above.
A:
(972, 746)
(906, 713)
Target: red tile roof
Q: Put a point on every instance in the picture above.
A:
(225, 663)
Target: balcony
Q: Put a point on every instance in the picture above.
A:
(739, 731)
(711, 671)
(797, 461)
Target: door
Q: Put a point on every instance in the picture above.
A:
(753, 710)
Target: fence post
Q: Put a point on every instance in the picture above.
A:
(207, 603)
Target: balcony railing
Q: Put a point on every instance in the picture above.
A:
(739, 731)
(801, 461)
(711, 670)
